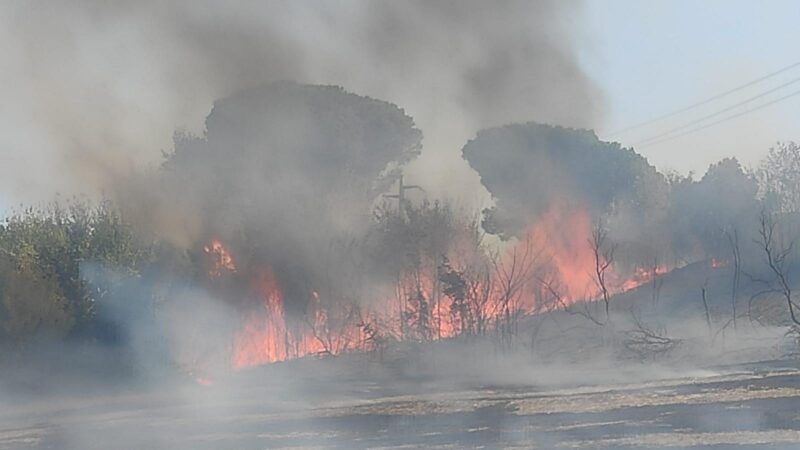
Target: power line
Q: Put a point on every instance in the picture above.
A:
(703, 102)
(724, 119)
(716, 113)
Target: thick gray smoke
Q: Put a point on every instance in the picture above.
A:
(286, 175)
(95, 89)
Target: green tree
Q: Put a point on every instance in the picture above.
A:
(31, 302)
(45, 251)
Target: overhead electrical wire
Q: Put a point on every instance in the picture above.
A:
(725, 119)
(717, 113)
(705, 101)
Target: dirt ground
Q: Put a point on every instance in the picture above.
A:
(744, 406)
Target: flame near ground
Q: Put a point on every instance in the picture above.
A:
(560, 240)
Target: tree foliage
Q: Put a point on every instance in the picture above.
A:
(703, 213)
(779, 177)
(42, 256)
(527, 167)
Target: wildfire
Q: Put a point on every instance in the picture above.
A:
(718, 263)
(269, 336)
(263, 338)
(642, 276)
(564, 235)
(420, 310)
(221, 260)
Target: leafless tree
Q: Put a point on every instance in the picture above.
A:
(479, 295)
(580, 308)
(777, 259)
(467, 281)
(779, 177)
(470, 293)
(647, 343)
(733, 241)
(547, 300)
(511, 274)
(418, 319)
(703, 291)
(656, 282)
(603, 252)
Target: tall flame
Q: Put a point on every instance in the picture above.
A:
(564, 235)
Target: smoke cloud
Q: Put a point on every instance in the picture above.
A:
(94, 90)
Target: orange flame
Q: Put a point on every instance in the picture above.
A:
(420, 310)
(642, 276)
(564, 235)
(221, 260)
(268, 337)
(263, 339)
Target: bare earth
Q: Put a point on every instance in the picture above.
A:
(756, 406)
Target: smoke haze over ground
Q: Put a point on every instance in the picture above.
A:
(369, 224)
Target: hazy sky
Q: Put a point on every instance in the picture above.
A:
(647, 58)
(654, 57)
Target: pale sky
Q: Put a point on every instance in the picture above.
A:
(654, 57)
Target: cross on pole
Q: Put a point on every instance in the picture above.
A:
(401, 194)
